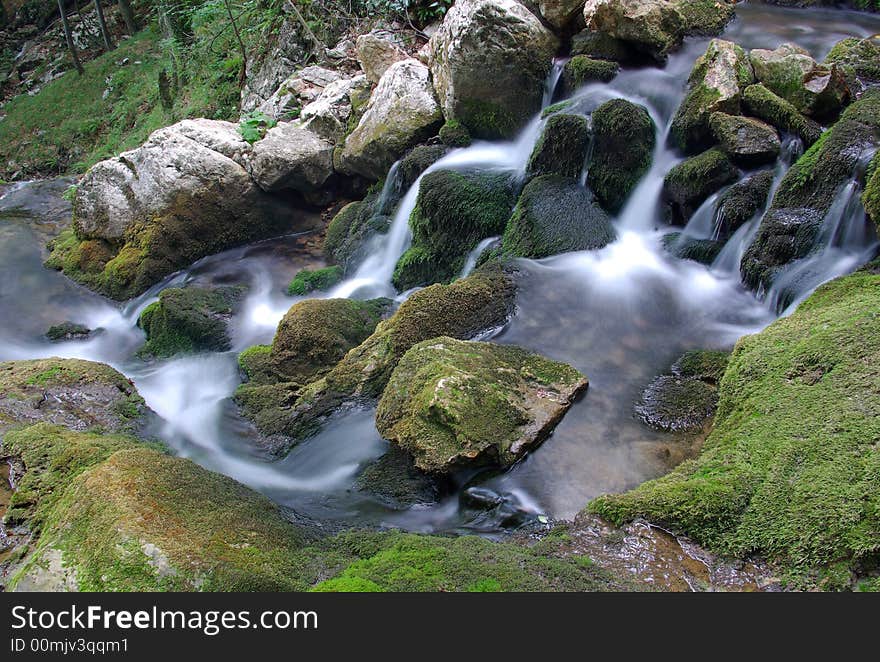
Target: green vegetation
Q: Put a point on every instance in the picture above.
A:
(768, 106)
(455, 134)
(790, 470)
(871, 196)
(562, 147)
(351, 228)
(581, 69)
(318, 280)
(254, 125)
(688, 184)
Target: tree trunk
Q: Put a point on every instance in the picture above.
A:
(70, 45)
(103, 25)
(241, 47)
(128, 16)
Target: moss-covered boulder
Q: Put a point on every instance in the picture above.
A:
(454, 134)
(685, 247)
(858, 60)
(77, 394)
(716, 84)
(483, 300)
(453, 403)
(742, 202)
(453, 212)
(562, 147)
(581, 69)
(192, 319)
(418, 160)
(395, 480)
(747, 141)
(773, 109)
(556, 215)
(871, 195)
(816, 90)
(624, 137)
(691, 182)
(307, 281)
(68, 331)
(789, 229)
(602, 46)
(351, 229)
(790, 469)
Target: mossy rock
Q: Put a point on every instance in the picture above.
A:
(859, 60)
(747, 141)
(790, 468)
(691, 182)
(743, 201)
(871, 195)
(453, 403)
(394, 479)
(453, 212)
(556, 215)
(581, 69)
(562, 148)
(684, 247)
(773, 109)
(602, 46)
(307, 281)
(455, 134)
(74, 393)
(705, 17)
(350, 231)
(68, 331)
(416, 162)
(624, 137)
(707, 365)
(187, 320)
(789, 230)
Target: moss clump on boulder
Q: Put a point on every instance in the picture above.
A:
(581, 69)
(624, 137)
(352, 227)
(743, 201)
(453, 403)
(562, 147)
(68, 331)
(747, 141)
(307, 281)
(858, 59)
(453, 212)
(556, 215)
(685, 247)
(415, 163)
(790, 469)
(192, 319)
(871, 195)
(773, 109)
(454, 134)
(692, 181)
(74, 393)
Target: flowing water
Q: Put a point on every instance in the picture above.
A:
(622, 315)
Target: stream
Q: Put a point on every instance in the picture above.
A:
(621, 315)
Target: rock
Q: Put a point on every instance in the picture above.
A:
(747, 141)
(454, 134)
(677, 404)
(707, 365)
(480, 498)
(68, 331)
(395, 480)
(402, 112)
(581, 69)
(790, 228)
(491, 40)
(561, 14)
(290, 157)
(453, 404)
(376, 52)
(859, 62)
(742, 202)
(816, 90)
(716, 84)
(871, 195)
(483, 300)
(336, 107)
(415, 163)
(73, 393)
(295, 92)
(186, 320)
(624, 137)
(182, 195)
(691, 182)
(453, 212)
(601, 46)
(556, 215)
(264, 75)
(562, 147)
(764, 104)
(656, 27)
(686, 247)
(307, 281)
(350, 231)
(787, 470)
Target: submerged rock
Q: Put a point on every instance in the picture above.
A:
(747, 141)
(691, 182)
(453, 403)
(716, 84)
(556, 215)
(624, 137)
(402, 112)
(192, 319)
(491, 40)
(562, 147)
(764, 104)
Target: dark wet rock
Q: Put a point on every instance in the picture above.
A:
(623, 147)
(562, 147)
(743, 201)
(454, 134)
(556, 215)
(416, 162)
(395, 479)
(581, 69)
(453, 403)
(186, 320)
(692, 181)
(773, 109)
(351, 230)
(601, 46)
(480, 498)
(684, 247)
(747, 141)
(68, 331)
(871, 195)
(677, 403)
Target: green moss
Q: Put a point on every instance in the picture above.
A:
(859, 59)
(415, 163)
(707, 365)
(556, 215)
(743, 201)
(624, 137)
(871, 196)
(351, 229)
(705, 17)
(417, 265)
(454, 134)
(581, 69)
(67, 330)
(790, 470)
(308, 280)
(562, 147)
(684, 247)
(691, 182)
(255, 362)
(487, 120)
(557, 107)
(764, 104)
